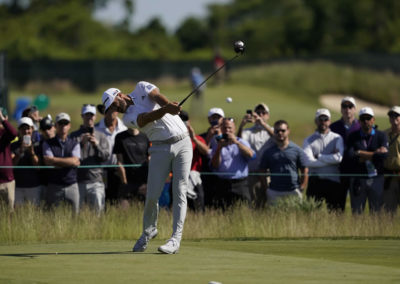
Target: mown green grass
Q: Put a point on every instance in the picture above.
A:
(225, 261)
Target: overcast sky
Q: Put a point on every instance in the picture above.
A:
(171, 12)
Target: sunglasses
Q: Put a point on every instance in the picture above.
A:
(276, 131)
(323, 119)
(365, 118)
(63, 122)
(347, 106)
(394, 115)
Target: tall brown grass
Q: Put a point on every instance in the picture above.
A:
(32, 224)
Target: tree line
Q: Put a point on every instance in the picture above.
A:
(57, 29)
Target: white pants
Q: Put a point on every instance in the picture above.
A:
(92, 194)
(164, 158)
(273, 195)
(28, 194)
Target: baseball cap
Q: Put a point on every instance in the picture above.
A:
(109, 96)
(88, 108)
(63, 116)
(366, 110)
(25, 120)
(395, 109)
(216, 110)
(322, 111)
(184, 115)
(263, 105)
(349, 99)
(46, 123)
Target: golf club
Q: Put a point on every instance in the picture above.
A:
(238, 47)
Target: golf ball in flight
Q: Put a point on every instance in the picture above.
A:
(228, 99)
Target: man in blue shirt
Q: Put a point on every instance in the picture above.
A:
(230, 156)
(284, 160)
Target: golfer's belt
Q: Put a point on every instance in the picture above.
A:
(171, 140)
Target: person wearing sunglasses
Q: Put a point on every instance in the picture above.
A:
(64, 154)
(230, 156)
(368, 149)
(347, 124)
(286, 164)
(259, 137)
(324, 151)
(391, 194)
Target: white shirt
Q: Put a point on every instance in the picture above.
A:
(161, 129)
(323, 153)
(259, 140)
(120, 127)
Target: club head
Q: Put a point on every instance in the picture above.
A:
(238, 46)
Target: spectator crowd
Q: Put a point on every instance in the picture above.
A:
(47, 162)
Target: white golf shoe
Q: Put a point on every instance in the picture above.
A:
(142, 242)
(171, 247)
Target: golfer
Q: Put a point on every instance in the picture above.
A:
(150, 111)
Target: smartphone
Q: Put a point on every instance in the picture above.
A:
(3, 111)
(214, 122)
(90, 130)
(27, 140)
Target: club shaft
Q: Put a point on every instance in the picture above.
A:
(209, 76)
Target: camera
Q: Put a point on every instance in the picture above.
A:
(89, 130)
(222, 137)
(214, 122)
(249, 111)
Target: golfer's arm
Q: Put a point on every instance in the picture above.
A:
(148, 117)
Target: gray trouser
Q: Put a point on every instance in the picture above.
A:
(57, 193)
(164, 158)
(274, 195)
(93, 194)
(28, 194)
(363, 188)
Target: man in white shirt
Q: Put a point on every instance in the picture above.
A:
(259, 137)
(150, 111)
(324, 152)
(110, 126)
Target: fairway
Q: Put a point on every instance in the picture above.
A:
(225, 261)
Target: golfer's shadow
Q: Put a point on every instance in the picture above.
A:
(37, 254)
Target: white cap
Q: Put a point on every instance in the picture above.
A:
(366, 110)
(323, 111)
(395, 109)
(25, 120)
(216, 110)
(63, 116)
(263, 105)
(89, 109)
(350, 100)
(109, 96)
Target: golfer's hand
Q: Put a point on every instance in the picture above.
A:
(172, 108)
